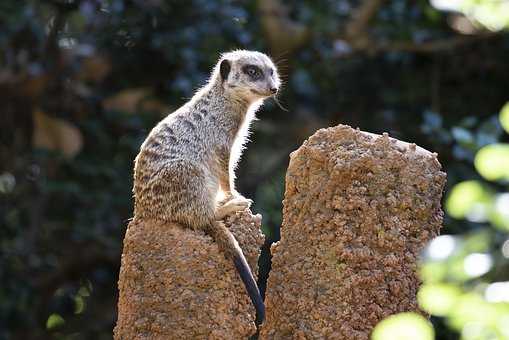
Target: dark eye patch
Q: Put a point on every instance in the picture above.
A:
(253, 71)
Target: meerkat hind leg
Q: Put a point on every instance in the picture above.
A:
(231, 207)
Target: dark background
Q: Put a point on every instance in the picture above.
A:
(83, 82)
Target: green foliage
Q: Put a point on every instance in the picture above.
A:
(494, 15)
(404, 326)
(54, 321)
(463, 276)
(438, 298)
(504, 117)
(468, 197)
(82, 82)
(492, 162)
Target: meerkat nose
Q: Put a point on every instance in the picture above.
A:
(273, 90)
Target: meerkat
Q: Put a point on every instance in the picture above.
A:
(185, 170)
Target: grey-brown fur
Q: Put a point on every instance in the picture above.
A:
(184, 172)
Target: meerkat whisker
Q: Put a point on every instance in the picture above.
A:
(278, 103)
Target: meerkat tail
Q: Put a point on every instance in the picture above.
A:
(251, 287)
(232, 250)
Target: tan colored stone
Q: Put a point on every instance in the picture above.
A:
(175, 284)
(358, 210)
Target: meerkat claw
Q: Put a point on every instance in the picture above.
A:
(248, 201)
(232, 206)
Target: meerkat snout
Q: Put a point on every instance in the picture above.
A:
(249, 75)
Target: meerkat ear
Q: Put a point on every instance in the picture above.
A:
(224, 69)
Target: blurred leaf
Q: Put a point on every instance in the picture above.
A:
(477, 264)
(472, 309)
(497, 292)
(504, 117)
(492, 162)
(94, 68)
(432, 120)
(79, 304)
(476, 242)
(500, 212)
(56, 134)
(34, 85)
(154, 105)
(456, 269)
(468, 197)
(404, 326)
(438, 299)
(54, 321)
(489, 132)
(84, 291)
(126, 100)
(492, 14)
(462, 136)
(432, 272)
(7, 183)
(441, 247)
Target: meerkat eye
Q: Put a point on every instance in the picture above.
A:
(271, 71)
(253, 71)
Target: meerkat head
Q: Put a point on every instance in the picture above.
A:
(248, 75)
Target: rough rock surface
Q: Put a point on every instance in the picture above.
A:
(358, 210)
(175, 284)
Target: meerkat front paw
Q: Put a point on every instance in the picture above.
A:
(238, 203)
(240, 198)
(231, 196)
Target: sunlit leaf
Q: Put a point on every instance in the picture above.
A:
(54, 321)
(441, 247)
(497, 292)
(504, 117)
(404, 326)
(433, 271)
(494, 15)
(472, 308)
(478, 331)
(477, 264)
(500, 214)
(84, 291)
(79, 304)
(438, 299)
(468, 199)
(478, 319)
(476, 242)
(456, 269)
(492, 162)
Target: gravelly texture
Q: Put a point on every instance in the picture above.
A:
(175, 284)
(358, 210)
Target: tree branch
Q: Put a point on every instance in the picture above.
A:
(283, 34)
(358, 38)
(357, 28)
(435, 45)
